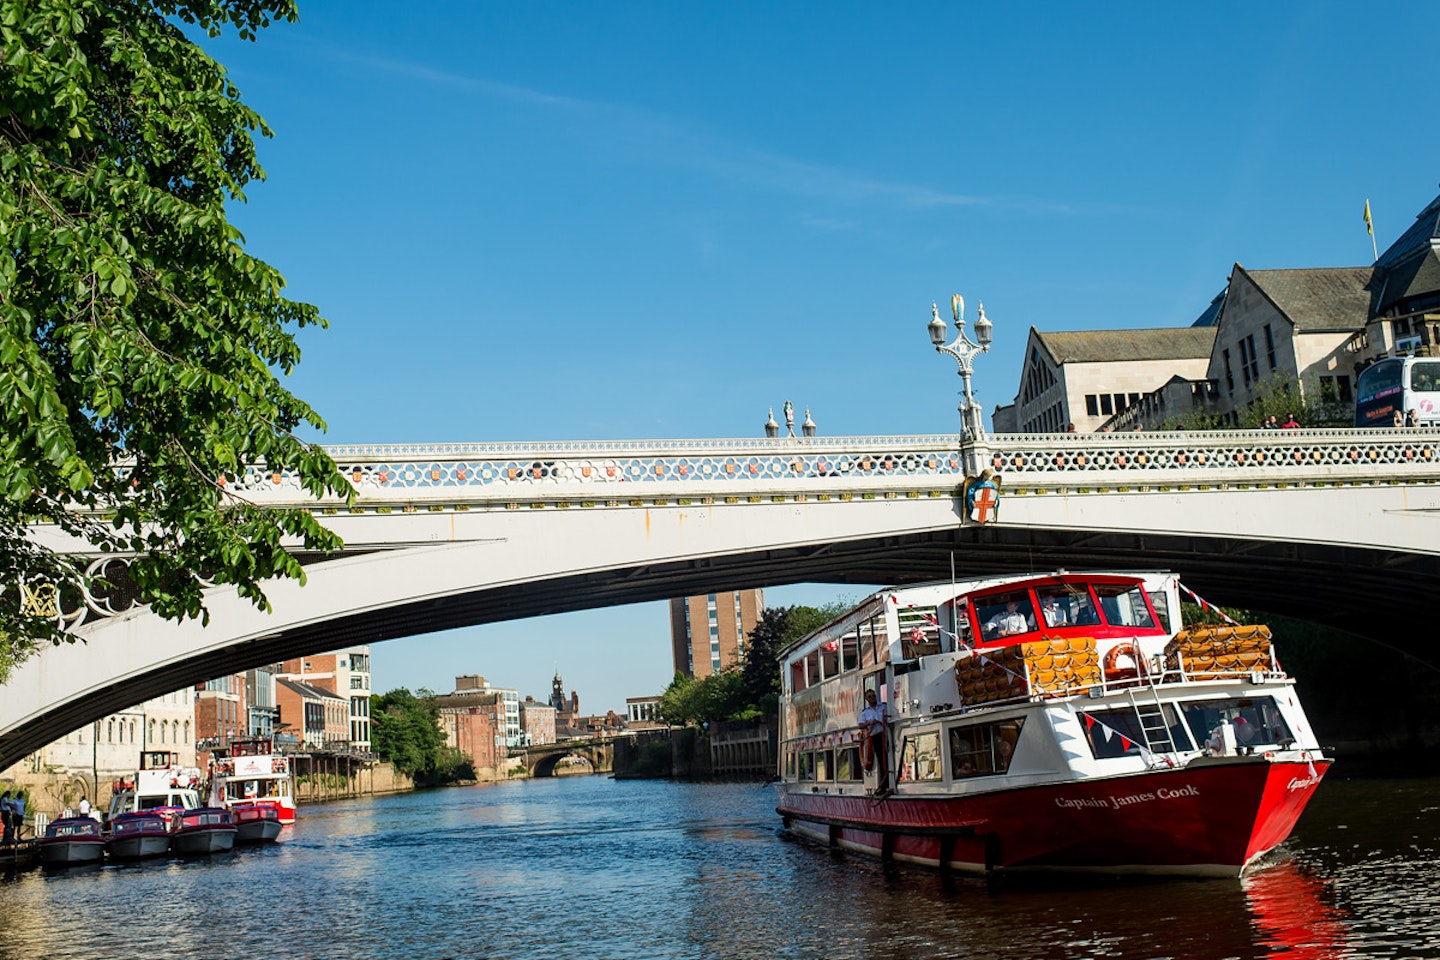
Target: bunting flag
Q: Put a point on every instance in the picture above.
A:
(1207, 607)
(1146, 754)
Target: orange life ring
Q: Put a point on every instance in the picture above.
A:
(1113, 670)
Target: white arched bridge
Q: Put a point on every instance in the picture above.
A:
(1338, 527)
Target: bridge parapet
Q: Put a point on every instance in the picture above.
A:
(610, 473)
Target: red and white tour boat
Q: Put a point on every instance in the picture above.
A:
(1059, 722)
(251, 772)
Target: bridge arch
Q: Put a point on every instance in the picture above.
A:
(1339, 534)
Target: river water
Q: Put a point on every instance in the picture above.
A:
(588, 867)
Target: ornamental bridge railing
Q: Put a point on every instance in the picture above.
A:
(658, 472)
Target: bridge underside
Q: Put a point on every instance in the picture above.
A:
(1385, 596)
(1381, 595)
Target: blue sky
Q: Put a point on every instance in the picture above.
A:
(652, 220)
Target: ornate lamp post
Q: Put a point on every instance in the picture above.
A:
(964, 350)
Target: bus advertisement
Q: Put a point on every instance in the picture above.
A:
(1398, 384)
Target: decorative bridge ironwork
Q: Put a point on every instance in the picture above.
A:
(611, 469)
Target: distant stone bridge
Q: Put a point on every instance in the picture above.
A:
(542, 759)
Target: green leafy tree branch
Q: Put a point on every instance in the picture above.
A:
(142, 350)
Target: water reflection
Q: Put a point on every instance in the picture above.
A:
(591, 868)
(1295, 914)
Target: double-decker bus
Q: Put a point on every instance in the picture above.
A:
(1398, 383)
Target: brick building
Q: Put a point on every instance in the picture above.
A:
(319, 718)
(708, 632)
(345, 673)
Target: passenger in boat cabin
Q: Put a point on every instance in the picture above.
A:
(1055, 615)
(872, 727)
(1008, 623)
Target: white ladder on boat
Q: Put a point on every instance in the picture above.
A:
(1153, 728)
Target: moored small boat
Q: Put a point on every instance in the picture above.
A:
(72, 840)
(203, 830)
(135, 836)
(256, 822)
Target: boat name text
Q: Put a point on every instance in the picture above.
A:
(1116, 803)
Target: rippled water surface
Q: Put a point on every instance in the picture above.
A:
(587, 867)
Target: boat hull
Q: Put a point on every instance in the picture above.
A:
(139, 848)
(57, 852)
(189, 843)
(1211, 818)
(258, 831)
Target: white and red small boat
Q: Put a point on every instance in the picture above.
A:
(1045, 723)
(203, 830)
(251, 772)
(256, 822)
(136, 836)
(70, 840)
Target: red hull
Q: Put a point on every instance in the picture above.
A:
(1208, 819)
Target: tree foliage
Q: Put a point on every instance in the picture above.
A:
(405, 729)
(1279, 397)
(141, 347)
(752, 689)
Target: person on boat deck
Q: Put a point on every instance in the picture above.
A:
(84, 805)
(1006, 624)
(1055, 615)
(872, 727)
(5, 817)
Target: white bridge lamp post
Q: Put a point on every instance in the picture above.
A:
(964, 350)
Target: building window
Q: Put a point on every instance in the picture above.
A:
(1269, 346)
(1107, 407)
(1254, 360)
(1092, 405)
(1343, 383)
(1229, 377)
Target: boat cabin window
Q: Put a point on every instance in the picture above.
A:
(807, 765)
(920, 756)
(1162, 608)
(983, 749)
(850, 652)
(847, 763)
(824, 765)
(1257, 721)
(812, 668)
(1124, 606)
(830, 659)
(919, 632)
(875, 642)
(797, 676)
(1005, 615)
(1119, 733)
(1067, 606)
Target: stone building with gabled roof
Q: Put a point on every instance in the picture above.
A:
(1319, 326)
(1405, 314)
(1289, 325)
(1085, 377)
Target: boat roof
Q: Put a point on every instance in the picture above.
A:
(938, 592)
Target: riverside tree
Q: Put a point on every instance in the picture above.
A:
(141, 347)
